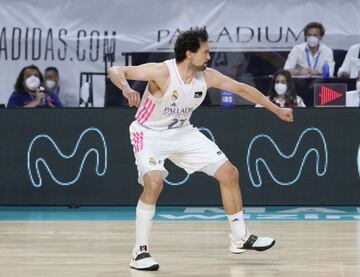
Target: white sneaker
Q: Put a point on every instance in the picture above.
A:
(250, 242)
(142, 260)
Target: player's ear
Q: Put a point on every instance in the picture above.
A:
(189, 54)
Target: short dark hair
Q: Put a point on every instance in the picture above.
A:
(317, 25)
(290, 94)
(189, 40)
(53, 68)
(19, 84)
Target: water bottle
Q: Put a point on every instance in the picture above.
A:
(227, 99)
(326, 70)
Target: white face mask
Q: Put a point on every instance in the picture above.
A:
(280, 89)
(50, 84)
(312, 41)
(358, 86)
(32, 83)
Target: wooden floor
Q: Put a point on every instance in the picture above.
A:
(102, 249)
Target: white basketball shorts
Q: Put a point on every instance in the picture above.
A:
(187, 147)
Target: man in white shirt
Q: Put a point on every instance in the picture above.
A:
(353, 53)
(353, 96)
(309, 57)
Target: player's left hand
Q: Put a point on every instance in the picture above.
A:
(285, 114)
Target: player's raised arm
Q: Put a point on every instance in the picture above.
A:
(145, 72)
(217, 80)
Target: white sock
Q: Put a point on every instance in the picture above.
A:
(144, 215)
(237, 225)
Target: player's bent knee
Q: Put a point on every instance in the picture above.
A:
(228, 174)
(235, 173)
(153, 185)
(232, 175)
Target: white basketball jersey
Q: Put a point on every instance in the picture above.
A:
(174, 109)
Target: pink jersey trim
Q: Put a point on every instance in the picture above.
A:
(138, 141)
(144, 114)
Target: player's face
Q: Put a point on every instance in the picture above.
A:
(201, 58)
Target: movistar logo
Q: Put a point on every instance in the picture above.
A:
(262, 150)
(43, 150)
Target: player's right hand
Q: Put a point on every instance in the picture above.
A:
(133, 97)
(286, 114)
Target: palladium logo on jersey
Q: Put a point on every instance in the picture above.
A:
(175, 111)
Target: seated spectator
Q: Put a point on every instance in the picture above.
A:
(353, 53)
(353, 96)
(28, 92)
(51, 76)
(282, 91)
(308, 58)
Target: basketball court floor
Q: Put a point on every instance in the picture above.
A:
(186, 241)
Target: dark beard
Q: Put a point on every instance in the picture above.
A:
(201, 67)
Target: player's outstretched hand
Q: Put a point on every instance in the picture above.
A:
(133, 97)
(286, 114)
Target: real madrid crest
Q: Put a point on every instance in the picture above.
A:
(174, 95)
(152, 161)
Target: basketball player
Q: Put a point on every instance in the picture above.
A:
(162, 130)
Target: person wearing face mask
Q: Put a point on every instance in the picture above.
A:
(282, 91)
(28, 91)
(308, 58)
(353, 96)
(51, 76)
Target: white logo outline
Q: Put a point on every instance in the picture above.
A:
(43, 161)
(258, 160)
